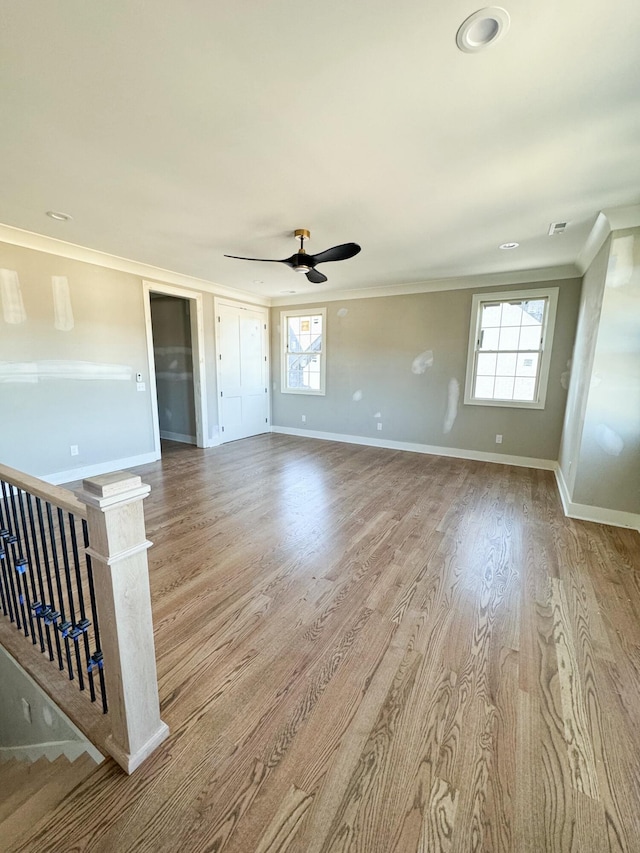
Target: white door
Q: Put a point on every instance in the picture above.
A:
(243, 398)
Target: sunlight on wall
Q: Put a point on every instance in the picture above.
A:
(11, 296)
(62, 310)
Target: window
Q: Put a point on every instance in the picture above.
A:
(303, 356)
(510, 348)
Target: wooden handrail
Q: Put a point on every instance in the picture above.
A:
(56, 495)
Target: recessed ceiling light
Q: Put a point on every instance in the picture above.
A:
(288, 292)
(58, 216)
(509, 245)
(482, 28)
(258, 281)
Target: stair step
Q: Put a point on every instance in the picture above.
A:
(42, 790)
(19, 778)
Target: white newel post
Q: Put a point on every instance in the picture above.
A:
(118, 551)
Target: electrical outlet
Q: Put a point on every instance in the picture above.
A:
(304, 419)
(498, 439)
(74, 449)
(26, 710)
(379, 425)
(140, 386)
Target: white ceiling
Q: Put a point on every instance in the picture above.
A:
(176, 132)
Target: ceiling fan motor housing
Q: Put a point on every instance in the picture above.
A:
(302, 262)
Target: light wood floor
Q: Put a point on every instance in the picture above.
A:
(375, 651)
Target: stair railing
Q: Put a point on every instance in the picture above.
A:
(74, 581)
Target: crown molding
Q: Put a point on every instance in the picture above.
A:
(594, 242)
(53, 246)
(467, 282)
(623, 217)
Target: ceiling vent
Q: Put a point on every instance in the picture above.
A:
(557, 228)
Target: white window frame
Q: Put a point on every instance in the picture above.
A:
(284, 350)
(479, 299)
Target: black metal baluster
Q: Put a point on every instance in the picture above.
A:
(50, 614)
(21, 564)
(6, 570)
(82, 626)
(68, 628)
(10, 540)
(4, 580)
(56, 567)
(55, 614)
(41, 591)
(97, 660)
(3, 602)
(29, 577)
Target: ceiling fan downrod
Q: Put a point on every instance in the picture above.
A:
(300, 266)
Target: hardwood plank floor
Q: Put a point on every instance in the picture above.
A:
(370, 651)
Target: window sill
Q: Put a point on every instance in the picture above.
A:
(506, 404)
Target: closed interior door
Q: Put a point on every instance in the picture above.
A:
(242, 372)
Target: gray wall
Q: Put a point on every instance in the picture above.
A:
(77, 385)
(607, 467)
(371, 348)
(72, 339)
(171, 321)
(47, 723)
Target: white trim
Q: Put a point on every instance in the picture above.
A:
(71, 749)
(284, 325)
(623, 217)
(41, 243)
(454, 452)
(531, 277)
(551, 295)
(74, 474)
(178, 436)
(598, 514)
(198, 357)
(129, 761)
(595, 241)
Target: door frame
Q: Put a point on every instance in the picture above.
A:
(197, 347)
(243, 306)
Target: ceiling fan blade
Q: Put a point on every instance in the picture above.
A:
(316, 277)
(337, 253)
(288, 261)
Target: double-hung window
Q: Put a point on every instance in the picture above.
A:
(303, 356)
(510, 348)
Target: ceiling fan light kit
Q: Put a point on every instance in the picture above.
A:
(303, 263)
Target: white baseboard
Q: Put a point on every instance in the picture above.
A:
(100, 468)
(599, 514)
(51, 750)
(455, 452)
(178, 436)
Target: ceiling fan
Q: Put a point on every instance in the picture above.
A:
(304, 263)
